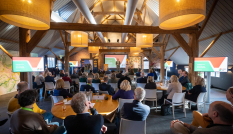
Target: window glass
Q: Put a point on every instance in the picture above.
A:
(51, 62)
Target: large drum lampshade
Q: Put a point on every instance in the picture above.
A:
(29, 14)
(144, 40)
(177, 14)
(79, 39)
(93, 49)
(135, 49)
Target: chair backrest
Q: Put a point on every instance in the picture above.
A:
(151, 93)
(123, 101)
(137, 78)
(142, 85)
(76, 80)
(178, 97)
(103, 92)
(96, 86)
(56, 99)
(49, 85)
(201, 97)
(67, 85)
(114, 86)
(132, 127)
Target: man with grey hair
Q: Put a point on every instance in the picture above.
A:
(136, 111)
(83, 122)
(125, 77)
(67, 78)
(40, 82)
(142, 79)
(88, 87)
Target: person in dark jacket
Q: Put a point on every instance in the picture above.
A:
(136, 111)
(56, 71)
(155, 75)
(49, 78)
(138, 74)
(62, 73)
(83, 78)
(105, 87)
(96, 78)
(151, 84)
(88, 87)
(125, 77)
(74, 75)
(107, 72)
(197, 89)
(142, 79)
(119, 75)
(60, 91)
(83, 122)
(185, 79)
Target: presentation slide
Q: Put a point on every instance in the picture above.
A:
(168, 64)
(211, 64)
(28, 64)
(73, 63)
(111, 60)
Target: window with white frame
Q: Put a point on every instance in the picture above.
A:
(51, 62)
(212, 74)
(217, 74)
(59, 65)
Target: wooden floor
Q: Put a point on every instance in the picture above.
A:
(155, 122)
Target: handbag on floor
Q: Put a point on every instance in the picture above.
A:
(166, 109)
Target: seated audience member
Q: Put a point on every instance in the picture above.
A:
(220, 112)
(113, 78)
(125, 77)
(112, 71)
(80, 72)
(204, 120)
(119, 75)
(199, 88)
(155, 75)
(185, 79)
(96, 78)
(67, 78)
(124, 91)
(60, 91)
(57, 71)
(105, 87)
(131, 72)
(83, 77)
(13, 104)
(180, 73)
(74, 75)
(136, 111)
(142, 79)
(151, 84)
(90, 74)
(88, 87)
(25, 121)
(138, 74)
(107, 72)
(40, 82)
(174, 87)
(62, 73)
(45, 72)
(102, 74)
(83, 122)
(49, 78)
(150, 73)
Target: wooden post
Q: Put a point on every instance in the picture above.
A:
(194, 44)
(24, 38)
(67, 66)
(162, 54)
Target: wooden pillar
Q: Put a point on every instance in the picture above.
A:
(24, 38)
(67, 66)
(162, 71)
(150, 57)
(194, 44)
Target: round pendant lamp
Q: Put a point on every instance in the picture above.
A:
(79, 39)
(177, 14)
(29, 14)
(135, 49)
(144, 40)
(93, 49)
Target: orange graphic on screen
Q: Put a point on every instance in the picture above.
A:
(34, 61)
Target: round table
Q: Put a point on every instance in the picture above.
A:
(104, 107)
(165, 88)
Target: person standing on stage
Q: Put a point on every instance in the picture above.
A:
(118, 63)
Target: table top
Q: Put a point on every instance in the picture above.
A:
(165, 88)
(104, 107)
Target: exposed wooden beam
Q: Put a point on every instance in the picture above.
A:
(35, 39)
(94, 5)
(143, 5)
(165, 45)
(171, 54)
(105, 19)
(117, 28)
(111, 13)
(171, 48)
(5, 51)
(9, 40)
(156, 51)
(145, 55)
(210, 45)
(156, 44)
(156, 37)
(101, 5)
(183, 44)
(226, 32)
(114, 50)
(164, 37)
(72, 50)
(63, 40)
(57, 56)
(156, 57)
(207, 18)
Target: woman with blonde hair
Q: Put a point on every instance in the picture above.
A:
(174, 87)
(150, 83)
(197, 89)
(60, 91)
(124, 92)
(113, 78)
(96, 78)
(150, 73)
